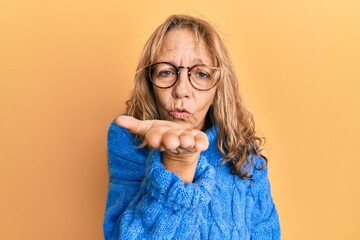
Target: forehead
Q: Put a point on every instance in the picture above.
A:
(183, 45)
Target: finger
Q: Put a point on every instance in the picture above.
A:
(201, 142)
(133, 125)
(170, 140)
(187, 140)
(175, 151)
(191, 150)
(154, 138)
(185, 150)
(180, 150)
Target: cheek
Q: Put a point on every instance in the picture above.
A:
(207, 101)
(160, 99)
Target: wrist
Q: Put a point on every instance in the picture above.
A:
(184, 166)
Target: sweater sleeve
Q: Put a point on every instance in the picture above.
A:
(262, 213)
(146, 201)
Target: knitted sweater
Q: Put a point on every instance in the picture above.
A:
(146, 201)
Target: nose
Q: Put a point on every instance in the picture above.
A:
(182, 87)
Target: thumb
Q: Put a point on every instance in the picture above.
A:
(133, 125)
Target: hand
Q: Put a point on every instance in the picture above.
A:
(181, 147)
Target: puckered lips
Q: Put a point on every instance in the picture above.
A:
(179, 113)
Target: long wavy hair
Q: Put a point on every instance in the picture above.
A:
(237, 139)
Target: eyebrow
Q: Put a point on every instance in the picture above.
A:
(196, 61)
(199, 60)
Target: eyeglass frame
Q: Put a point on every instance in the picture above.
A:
(178, 68)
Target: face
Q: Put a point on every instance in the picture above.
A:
(183, 103)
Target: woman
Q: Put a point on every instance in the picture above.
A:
(201, 174)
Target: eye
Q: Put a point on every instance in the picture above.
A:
(200, 73)
(165, 73)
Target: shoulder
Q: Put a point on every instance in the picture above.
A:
(121, 142)
(116, 130)
(126, 161)
(259, 169)
(119, 134)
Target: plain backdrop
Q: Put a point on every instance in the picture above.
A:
(66, 69)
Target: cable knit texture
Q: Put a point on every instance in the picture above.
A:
(146, 201)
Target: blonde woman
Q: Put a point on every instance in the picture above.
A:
(185, 161)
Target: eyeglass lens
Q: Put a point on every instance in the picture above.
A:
(165, 75)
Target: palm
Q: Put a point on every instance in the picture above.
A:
(166, 135)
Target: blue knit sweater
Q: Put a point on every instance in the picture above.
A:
(146, 201)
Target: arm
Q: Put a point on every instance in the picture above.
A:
(263, 216)
(147, 201)
(181, 147)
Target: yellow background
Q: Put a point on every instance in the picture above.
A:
(66, 68)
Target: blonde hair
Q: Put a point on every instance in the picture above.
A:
(237, 139)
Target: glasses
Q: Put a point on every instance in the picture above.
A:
(165, 75)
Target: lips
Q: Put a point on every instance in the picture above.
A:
(178, 113)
